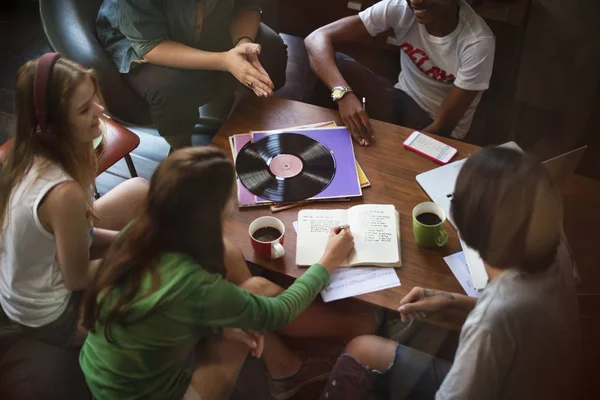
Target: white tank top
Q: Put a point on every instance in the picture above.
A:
(32, 290)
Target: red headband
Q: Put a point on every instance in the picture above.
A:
(40, 87)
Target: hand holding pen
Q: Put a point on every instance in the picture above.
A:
(339, 246)
(355, 118)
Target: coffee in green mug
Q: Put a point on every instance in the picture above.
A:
(428, 225)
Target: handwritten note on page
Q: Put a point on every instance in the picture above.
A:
(459, 267)
(348, 282)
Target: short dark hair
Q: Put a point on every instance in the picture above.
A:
(507, 207)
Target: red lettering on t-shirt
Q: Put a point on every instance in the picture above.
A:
(434, 72)
(417, 55)
(442, 76)
(406, 47)
(420, 58)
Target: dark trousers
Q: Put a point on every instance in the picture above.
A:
(174, 95)
(383, 101)
(36, 364)
(413, 375)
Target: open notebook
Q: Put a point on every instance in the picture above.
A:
(376, 230)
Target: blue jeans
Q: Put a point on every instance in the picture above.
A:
(413, 375)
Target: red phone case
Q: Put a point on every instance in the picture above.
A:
(430, 157)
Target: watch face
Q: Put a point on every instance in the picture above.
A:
(337, 93)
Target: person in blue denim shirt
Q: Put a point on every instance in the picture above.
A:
(179, 55)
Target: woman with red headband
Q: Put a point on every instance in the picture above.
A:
(52, 234)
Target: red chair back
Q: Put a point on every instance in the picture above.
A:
(118, 142)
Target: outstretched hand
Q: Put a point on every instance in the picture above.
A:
(242, 62)
(418, 302)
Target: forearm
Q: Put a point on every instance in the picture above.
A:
(174, 54)
(440, 127)
(93, 268)
(244, 23)
(451, 111)
(244, 308)
(104, 237)
(321, 55)
(454, 301)
(102, 240)
(287, 305)
(464, 303)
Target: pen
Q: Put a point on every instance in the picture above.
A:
(344, 227)
(364, 107)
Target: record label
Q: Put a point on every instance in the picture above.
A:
(285, 167)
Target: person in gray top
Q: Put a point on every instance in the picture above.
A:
(179, 55)
(521, 339)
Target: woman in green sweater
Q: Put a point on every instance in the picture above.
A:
(172, 281)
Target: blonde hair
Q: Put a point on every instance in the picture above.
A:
(62, 149)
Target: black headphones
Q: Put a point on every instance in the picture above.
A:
(43, 72)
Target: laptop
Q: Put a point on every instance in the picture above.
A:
(439, 185)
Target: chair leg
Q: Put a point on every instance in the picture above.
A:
(130, 165)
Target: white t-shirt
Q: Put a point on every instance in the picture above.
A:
(432, 65)
(32, 290)
(522, 340)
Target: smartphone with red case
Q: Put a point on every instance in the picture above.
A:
(429, 147)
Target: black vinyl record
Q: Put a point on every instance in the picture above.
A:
(285, 167)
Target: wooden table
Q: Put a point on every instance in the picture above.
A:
(391, 170)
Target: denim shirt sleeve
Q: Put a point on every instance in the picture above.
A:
(248, 5)
(144, 26)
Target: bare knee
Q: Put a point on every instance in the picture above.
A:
(139, 186)
(373, 351)
(235, 263)
(137, 190)
(261, 286)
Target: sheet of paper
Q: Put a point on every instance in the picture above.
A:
(459, 267)
(313, 227)
(375, 230)
(476, 267)
(348, 282)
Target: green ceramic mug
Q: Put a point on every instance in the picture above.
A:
(428, 225)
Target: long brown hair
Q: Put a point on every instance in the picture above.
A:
(183, 214)
(63, 149)
(507, 207)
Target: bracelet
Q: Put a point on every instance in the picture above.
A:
(240, 39)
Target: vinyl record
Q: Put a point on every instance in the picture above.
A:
(285, 167)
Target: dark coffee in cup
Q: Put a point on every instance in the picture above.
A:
(429, 218)
(266, 234)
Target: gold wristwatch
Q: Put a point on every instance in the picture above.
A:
(339, 91)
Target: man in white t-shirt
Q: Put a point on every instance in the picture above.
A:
(446, 58)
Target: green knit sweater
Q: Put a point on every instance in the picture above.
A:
(151, 356)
